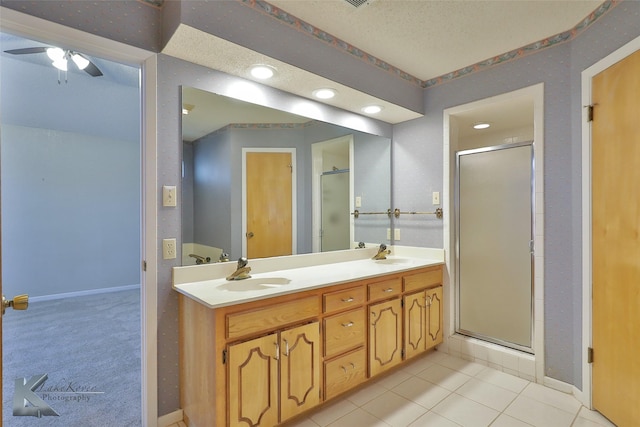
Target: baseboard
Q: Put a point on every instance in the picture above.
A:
(83, 293)
(558, 385)
(170, 418)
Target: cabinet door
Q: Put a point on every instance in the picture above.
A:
(415, 324)
(434, 314)
(385, 336)
(299, 369)
(253, 382)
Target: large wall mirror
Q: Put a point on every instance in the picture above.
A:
(260, 182)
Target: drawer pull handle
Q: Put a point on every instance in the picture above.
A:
(388, 290)
(344, 369)
(350, 299)
(353, 366)
(347, 325)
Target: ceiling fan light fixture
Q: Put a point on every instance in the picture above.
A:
(55, 53)
(60, 64)
(80, 61)
(262, 72)
(324, 93)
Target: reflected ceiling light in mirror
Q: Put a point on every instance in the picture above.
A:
(80, 61)
(186, 108)
(481, 125)
(262, 72)
(324, 93)
(307, 109)
(372, 109)
(247, 91)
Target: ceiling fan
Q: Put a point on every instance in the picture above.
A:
(60, 59)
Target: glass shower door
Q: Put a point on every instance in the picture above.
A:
(495, 240)
(335, 211)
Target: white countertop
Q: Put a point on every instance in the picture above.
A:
(218, 292)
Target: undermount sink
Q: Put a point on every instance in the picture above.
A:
(255, 284)
(392, 261)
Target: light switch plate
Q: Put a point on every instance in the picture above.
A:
(169, 195)
(396, 234)
(358, 202)
(436, 198)
(388, 234)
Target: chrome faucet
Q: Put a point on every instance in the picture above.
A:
(242, 272)
(382, 252)
(200, 259)
(224, 257)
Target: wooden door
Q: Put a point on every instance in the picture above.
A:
(253, 382)
(299, 370)
(385, 336)
(616, 241)
(434, 316)
(269, 184)
(415, 319)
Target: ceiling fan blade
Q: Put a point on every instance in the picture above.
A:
(93, 70)
(27, 50)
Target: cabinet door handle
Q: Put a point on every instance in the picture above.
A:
(286, 348)
(350, 299)
(347, 325)
(277, 357)
(388, 290)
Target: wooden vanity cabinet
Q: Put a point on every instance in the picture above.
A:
(423, 314)
(260, 363)
(280, 371)
(385, 336)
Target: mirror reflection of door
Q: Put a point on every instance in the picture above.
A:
(269, 185)
(335, 210)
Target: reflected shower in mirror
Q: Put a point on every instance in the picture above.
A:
(260, 182)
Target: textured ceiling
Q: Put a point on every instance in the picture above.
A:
(425, 42)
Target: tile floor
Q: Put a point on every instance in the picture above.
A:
(438, 390)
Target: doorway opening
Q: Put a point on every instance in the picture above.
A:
(71, 238)
(332, 194)
(514, 117)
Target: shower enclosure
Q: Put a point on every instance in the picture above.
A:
(494, 244)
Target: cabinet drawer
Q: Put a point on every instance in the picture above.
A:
(384, 289)
(341, 300)
(344, 331)
(423, 280)
(271, 317)
(344, 373)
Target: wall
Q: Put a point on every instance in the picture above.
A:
(418, 156)
(70, 211)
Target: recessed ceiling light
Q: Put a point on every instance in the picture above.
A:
(324, 93)
(372, 109)
(482, 125)
(262, 72)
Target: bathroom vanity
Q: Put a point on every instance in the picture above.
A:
(263, 350)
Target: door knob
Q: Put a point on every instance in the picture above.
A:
(19, 302)
(249, 234)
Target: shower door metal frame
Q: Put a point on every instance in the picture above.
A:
(458, 330)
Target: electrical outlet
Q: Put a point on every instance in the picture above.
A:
(168, 248)
(436, 198)
(169, 195)
(396, 234)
